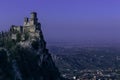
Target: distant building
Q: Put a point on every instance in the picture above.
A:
(30, 27)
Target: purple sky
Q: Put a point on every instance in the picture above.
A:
(72, 20)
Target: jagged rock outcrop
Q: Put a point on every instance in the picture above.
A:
(27, 59)
(25, 64)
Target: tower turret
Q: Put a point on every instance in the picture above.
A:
(33, 19)
(26, 21)
(33, 15)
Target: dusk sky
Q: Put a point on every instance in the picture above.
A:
(67, 20)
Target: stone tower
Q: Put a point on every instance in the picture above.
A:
(26, 21)
(33, 18)
(31, 26)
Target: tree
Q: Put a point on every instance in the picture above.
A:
(35, 45)
(18, 37)
(26, 36)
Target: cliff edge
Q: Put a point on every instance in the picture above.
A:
(23, 53)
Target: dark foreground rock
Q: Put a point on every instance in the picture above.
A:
(23, 53)
(25, 64)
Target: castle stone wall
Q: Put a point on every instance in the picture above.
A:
(30, 26)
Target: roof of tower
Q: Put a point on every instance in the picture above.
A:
(33, 12)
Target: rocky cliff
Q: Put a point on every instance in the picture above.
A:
(26, 60)
(27, 64)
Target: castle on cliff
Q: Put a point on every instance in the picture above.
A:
(30, 27)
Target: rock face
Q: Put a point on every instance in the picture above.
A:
(26, 59)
